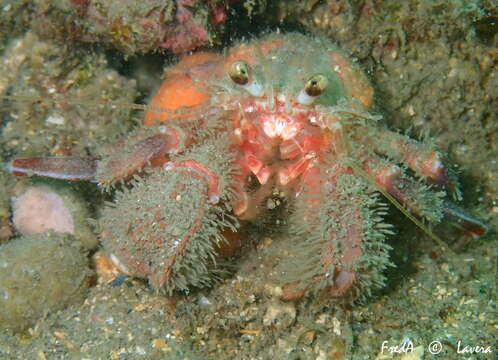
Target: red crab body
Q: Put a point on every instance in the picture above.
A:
(284, 114)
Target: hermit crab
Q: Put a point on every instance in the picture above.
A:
(285, 114)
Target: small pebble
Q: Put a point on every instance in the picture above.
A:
(280, 314)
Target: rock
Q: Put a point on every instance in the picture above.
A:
(40, 273)
(39, 208)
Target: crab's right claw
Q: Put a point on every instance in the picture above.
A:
(469, 225)
(66, 168)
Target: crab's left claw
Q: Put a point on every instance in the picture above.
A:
(469, 225)
(66, 168)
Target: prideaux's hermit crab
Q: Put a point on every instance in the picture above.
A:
(286, 114)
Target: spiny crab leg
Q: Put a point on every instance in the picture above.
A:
(390, 178)
(417, 156)
(66, 168)
(337, 234)
(409, 192)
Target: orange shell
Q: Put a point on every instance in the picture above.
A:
(353, 79)
(179, 89)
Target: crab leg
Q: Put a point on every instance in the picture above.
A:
(120, 161)
(66, 168)
(425, 161)
(334, 221)
(148, 145)
(175, 221)
(123, 161)
(418, 197)
(407, 191)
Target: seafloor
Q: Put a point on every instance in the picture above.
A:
(434, 68)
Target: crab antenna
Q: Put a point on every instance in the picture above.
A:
(91, 102)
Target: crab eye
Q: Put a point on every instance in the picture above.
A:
(239, 72)
(316, 85)
(313, 88)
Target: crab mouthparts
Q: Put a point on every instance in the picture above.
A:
(278, 125)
